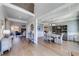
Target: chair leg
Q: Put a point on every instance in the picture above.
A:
(50, 41)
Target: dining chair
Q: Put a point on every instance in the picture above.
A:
(47, 36)
(51, 39)
(59, 38)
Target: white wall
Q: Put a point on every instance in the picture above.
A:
(1, 12)
(41, 31)
(1, 18)
(31, 21)
(72, 29)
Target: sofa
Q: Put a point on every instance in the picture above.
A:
(5, 44)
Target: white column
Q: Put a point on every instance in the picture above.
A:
(36, 31)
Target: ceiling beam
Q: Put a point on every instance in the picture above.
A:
(73, 12)
(55, 10)
(19, 9)
(17, 20)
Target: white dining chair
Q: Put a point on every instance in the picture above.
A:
(47, 36)
(51, 38)
(59, 39)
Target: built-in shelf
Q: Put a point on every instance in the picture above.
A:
(60, 29)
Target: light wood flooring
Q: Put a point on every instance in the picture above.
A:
(21, 47)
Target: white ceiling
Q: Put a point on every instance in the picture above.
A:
(12, 13)
(45, 12)
(19, 13)
(43, 8)
(59, 13)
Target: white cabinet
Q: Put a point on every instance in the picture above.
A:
(6, 44)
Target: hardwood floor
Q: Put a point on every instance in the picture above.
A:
(68, 48)
(23, 48)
